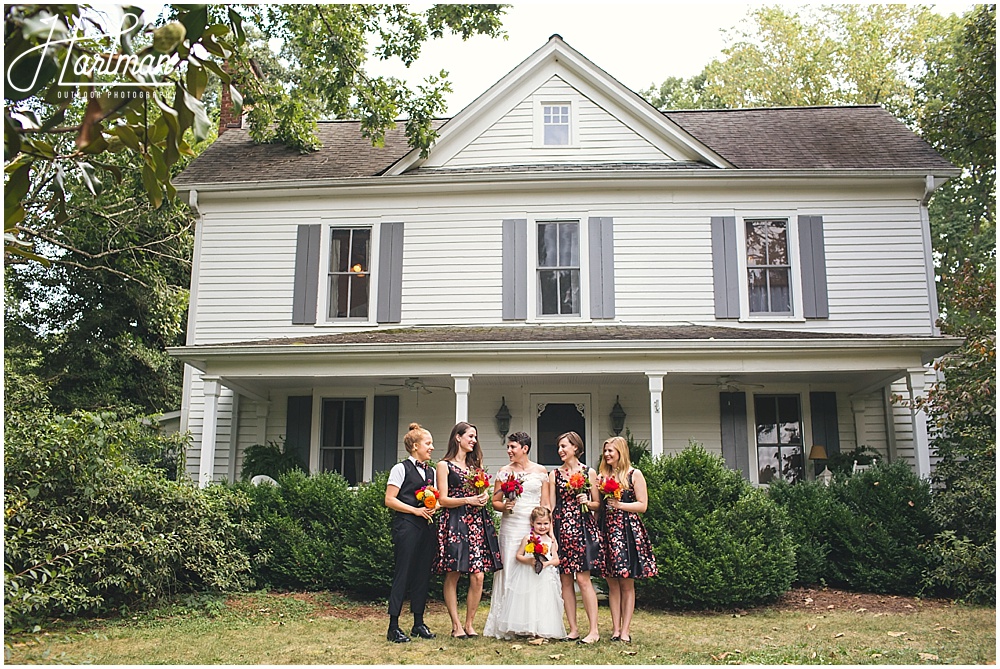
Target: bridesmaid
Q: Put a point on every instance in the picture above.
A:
(627, 548)
(467, 540)
(577, 534)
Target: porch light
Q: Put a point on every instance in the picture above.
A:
(617, 417)
(818, 452)
(503, 418)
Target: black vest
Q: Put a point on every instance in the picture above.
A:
(414, 478)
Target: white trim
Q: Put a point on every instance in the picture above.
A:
(539, 102)
(592, 444)
(534, 288)
(323, 289)
(794, 262)
(321, 394)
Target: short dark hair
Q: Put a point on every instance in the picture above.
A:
(520, 438)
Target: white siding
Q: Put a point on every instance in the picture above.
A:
(602, 136)
(663, 266)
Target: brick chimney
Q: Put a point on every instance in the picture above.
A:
(227, 117)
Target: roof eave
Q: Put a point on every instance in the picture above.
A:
(552, 177)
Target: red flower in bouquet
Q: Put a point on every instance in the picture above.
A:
(609, 488)
(538, 549)
(512, 486)
(428, 495)
(579, 483)
(477, 481)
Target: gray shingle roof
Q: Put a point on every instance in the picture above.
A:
(810, 138)
(782, 138)
(528, 333)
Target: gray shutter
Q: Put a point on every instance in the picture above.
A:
(306, 286)
(825, 430)
(812, 251)
(515, 269)
(385, 433)
(298, 428)
(733, 422)
(725, 267)
(390, 269)
(602, 268)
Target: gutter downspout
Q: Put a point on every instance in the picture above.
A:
(930, 185)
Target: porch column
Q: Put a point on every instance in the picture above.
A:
(262, 411)
(921, 446)
(209, 429)
(860, 430)
(656, 413)
(461, 397)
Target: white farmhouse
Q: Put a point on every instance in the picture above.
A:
(758, 280)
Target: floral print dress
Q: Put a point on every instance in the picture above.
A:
(627, 549)
(467, 538)
(577, 532)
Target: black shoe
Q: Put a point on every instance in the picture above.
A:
(422, 631)
(396, 635)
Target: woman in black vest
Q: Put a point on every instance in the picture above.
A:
(413, 534)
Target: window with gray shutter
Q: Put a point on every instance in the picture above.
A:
(812, 252)
(602, 268)
(733, 424)
(306, 281)
(725, 267)
(515, 269)
(825, 429)
(390, 268)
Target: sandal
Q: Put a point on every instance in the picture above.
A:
(570, 639)
(459, 636)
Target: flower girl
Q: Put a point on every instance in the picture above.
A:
(532, 604)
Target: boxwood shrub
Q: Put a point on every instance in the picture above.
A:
(719, 542)
(868, 532)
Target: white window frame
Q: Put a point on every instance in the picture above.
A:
(534, 301)
(752, 431)
(319, 395)
(539, 124)
(794, 262)
(323, 291)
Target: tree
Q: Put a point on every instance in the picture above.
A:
(958, 117)
(832, 54)
(104, 82)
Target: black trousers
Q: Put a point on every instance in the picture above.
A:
(414, 546)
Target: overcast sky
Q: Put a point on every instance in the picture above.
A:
(637, 43)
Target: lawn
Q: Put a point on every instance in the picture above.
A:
(323, 628)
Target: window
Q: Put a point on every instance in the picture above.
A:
(778, 428)
(342, 444)
(559, 268)
(768, 266)
(555, 124)
(349, 277)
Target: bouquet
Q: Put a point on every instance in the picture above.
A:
(538, 549)
(579, 483)
(428, 495)
(477, 481)
(512, 486)
(609, 488)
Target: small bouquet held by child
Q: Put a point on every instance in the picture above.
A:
(538, 549)
(512, 487)
(579, 483)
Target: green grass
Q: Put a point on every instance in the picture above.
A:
(323, 628)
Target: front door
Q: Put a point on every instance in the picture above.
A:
(554, 415)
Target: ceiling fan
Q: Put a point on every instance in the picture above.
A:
(729, 384)
(414, 384)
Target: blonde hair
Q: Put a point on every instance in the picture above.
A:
(620, 470)
(414, 436)
(540, 512)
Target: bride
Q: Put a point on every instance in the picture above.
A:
(520, 603)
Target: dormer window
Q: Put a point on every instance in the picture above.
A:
(556, 124)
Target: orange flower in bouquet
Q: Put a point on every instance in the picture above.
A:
(428, 495)
(609, 488)
(477, 481)
(579, 483)
(538, 549)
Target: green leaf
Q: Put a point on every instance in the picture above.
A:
(152, 186)
(127, 135)
(194, 19)
(237, 22)
(90, 180)
(197, 80)
(237, 100)
(202, 124)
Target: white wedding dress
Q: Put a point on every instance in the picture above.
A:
(523, 602)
